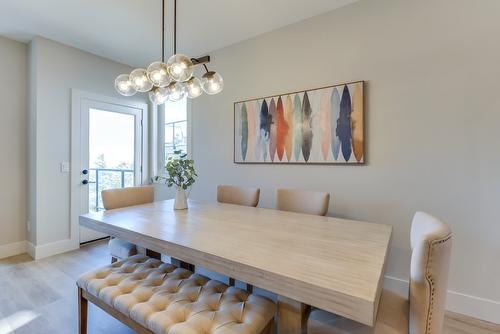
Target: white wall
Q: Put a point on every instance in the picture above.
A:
(58, 69)
(12, 146)
(432, 117)
(31, 137)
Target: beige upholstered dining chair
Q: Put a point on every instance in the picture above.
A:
(120, 198)
(423, 312)
(310, 202)
(245, 196)
(238, 195)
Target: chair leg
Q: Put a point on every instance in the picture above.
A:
(82, 313)
(113, 259)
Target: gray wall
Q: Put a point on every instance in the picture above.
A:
(59, 68)
(12, 142)
(432, 117)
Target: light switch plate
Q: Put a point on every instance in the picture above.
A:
(65, 167)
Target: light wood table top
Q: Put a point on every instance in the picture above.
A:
(333, 264)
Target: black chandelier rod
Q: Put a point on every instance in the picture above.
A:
(163, 31)
(175, 27)
(196, 61)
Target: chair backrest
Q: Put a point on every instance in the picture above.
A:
(123, 197)
(238, 195)
(310, 202)
(430, 260)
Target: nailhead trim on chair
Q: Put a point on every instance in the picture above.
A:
(431, 282)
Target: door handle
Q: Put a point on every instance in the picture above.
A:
(85, 182)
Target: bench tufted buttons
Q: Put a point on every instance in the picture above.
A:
(161, 297)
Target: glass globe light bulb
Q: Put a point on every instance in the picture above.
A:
(180, 67)
(193, 87)
(158, 95)
(140, 80)
(124, 86)
(158, 74)
(176, 91)
(212, 83)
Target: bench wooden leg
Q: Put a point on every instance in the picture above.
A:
(82, 313)
(232, 281)
(249, 288)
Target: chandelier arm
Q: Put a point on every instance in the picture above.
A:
(201, 60)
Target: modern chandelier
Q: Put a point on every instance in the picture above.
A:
(172, 80)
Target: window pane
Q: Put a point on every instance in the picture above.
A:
(169, 134)
(182, 148)
(175, 129)
(111, 152)
(111, 139)
(128, 179)
(175, 111)
(169, 150)
(92, 190)
(180, 135)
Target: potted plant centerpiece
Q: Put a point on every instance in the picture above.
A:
(181, 173)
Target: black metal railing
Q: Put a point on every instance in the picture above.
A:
(178, 142)
(108, 178)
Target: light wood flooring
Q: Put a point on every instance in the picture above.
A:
(39, 297)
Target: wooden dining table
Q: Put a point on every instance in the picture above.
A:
(329, 263)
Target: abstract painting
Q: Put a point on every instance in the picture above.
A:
(319, 126)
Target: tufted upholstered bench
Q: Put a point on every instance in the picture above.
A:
(155, 297)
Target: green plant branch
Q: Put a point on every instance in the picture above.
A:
(180, 171)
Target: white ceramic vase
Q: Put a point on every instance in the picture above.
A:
(180, 202)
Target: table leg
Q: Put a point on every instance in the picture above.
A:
(292, 316)
(181, 264)
(153, 254)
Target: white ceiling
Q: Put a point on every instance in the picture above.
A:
(128, 31)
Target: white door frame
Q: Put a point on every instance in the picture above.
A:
(81, 99)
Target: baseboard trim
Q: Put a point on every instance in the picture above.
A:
(30, 249)
(54, 248)
(457, 302)
(39, 251)
(398, 285)
(12, 249)
(476, 307)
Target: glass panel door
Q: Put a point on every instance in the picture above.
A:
(111, 154)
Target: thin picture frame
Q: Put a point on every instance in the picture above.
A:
(352, 161)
